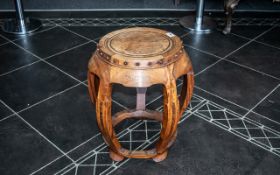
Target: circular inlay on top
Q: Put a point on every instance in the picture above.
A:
(140, 48)
(139, 43)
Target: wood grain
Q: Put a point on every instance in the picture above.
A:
(140, 57)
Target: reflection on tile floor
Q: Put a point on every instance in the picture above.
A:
(232, 126)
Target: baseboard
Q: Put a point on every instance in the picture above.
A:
(106, 13)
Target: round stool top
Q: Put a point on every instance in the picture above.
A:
(140, 48)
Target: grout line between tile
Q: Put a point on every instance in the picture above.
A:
(95, 161)
(268, 45)
(187, 32)
(32, 34)
(16, 69)
(100, 147)
(203, 51)
(221, 98)
(240, 116)
(27, 65)
(59, 157)
(265, 117)
(215, 95)
(247, 67)
(76, 170)
(50, 97)
(246, 128)
(98, 38)
(263, 43)
(261, 100)
(266, 137)
(95, 39)
(41, 101)
(240, 36)
(47, 62)
(9, 116)
(68, 152)
(64, 51)
(4, 42)
(63, 72)
(76, 33)
(238, 135)
(227, 120)
(119, 104)
(37, 131)
(245, 44)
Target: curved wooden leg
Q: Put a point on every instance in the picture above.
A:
(186, 92)
(93, 84)
(229, 6)
(116, 157)
(101, 94)
(170, 119)
(160, 157)
(104, 119)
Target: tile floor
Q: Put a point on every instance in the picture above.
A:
(232, 126)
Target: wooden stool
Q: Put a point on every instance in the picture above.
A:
(140, 57)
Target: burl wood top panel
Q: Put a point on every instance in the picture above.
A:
(140, 48)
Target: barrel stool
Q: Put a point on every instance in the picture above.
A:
(140, 57)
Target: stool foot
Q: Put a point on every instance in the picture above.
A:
(116, 157)
(160, 157)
